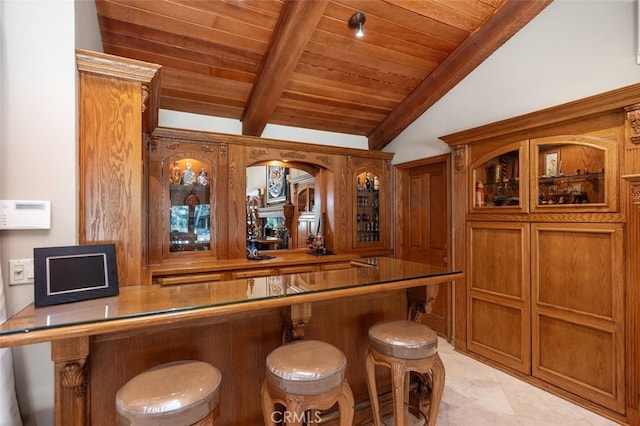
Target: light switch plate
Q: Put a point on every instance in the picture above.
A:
(20, 271)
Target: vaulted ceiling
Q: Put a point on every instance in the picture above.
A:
(298, 62)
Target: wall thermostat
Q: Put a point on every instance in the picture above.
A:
(23, 214)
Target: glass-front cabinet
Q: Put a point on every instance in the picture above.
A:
(368, 208)
(370, 189)
(495, 180)
(573, 173)
(190, 207)
(559, 174)
(182, 180)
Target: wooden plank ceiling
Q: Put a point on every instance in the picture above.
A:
(298, 63)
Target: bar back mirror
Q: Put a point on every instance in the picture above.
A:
(284, 204)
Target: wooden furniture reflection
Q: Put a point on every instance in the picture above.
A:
(181, 393)
(404, 347)
(305, 376)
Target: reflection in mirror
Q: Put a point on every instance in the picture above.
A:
(281, 205)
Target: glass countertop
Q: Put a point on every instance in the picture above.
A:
(135, 302)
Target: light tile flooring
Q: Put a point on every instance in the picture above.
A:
(476, 395)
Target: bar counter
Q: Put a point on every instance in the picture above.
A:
(107, 330)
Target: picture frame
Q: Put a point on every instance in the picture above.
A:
(551, 163)
(73, 273)
(276, 184)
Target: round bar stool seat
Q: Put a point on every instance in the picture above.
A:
(305, 375)
(176, 393)
(403, 346)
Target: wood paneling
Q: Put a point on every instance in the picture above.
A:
(577, 282)
(238, 346)
(498, 316)
(116, 97)
(298, 63)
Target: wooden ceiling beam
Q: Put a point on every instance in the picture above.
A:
(507, 21)
(298, 20)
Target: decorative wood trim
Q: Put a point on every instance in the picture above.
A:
(459, 157)
(633, 117)
(594, 105)
(74, 377)
(116, 66)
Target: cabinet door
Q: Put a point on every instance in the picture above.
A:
(577, 283)
(370, 189)
(575, 173)
(495, 183)
(498, 293)
(182, 192)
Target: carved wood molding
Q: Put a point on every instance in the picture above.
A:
(74, 376)
(115, 66)
(292, 155)
(634, 187)
(459, 153)
(294, 321)
(145, 96)
(633, 117)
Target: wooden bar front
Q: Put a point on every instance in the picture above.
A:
(98, 345)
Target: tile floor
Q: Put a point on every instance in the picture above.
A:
(476, 395)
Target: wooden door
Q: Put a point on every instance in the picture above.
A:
(426, 228)
(498, 292)
(578, 309)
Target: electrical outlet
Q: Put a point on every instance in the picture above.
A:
(20, 271)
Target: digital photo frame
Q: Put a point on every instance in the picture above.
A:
(73, 273)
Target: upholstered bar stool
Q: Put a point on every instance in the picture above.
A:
(305, 376)
(177, 393)
(403, 346)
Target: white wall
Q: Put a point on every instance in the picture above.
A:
(38, 154)
(573, 49)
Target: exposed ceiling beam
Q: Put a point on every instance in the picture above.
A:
(298, 20)
(507, 21)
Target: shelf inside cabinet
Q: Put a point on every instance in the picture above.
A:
(579, 188)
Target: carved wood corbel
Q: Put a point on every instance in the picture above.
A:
(633, 117)
(459, 153)
(74, 376)
(294, 321)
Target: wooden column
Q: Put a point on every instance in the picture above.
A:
(631, 186)
(117, 106)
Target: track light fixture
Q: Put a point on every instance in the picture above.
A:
(357, 21)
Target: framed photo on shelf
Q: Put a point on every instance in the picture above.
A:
(276, 184)
(73, 273)
(551, 163)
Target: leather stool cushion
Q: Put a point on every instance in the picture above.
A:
(307, 367)
(403, 339)
(181, 392)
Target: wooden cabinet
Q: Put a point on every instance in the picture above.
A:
(575, 173)
(184, 190)
(495, 180)
(544, 245)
